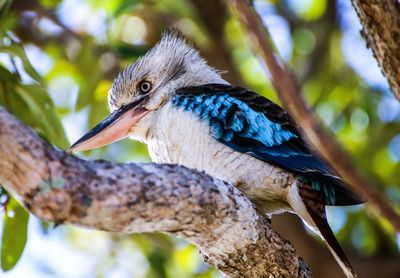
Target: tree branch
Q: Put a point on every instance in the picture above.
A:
(136, 197)
(290, 94)
(381, 29)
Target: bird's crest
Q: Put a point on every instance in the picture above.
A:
(171, 58)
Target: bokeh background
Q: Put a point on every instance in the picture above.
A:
(57, 62)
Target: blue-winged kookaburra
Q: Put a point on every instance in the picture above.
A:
(188, 114)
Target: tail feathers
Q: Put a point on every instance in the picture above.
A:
(331, 241)
(310, 205)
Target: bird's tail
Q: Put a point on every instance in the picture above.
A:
(311, 208)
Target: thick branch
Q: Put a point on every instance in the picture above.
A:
(381, 29)
(133, 198)
(290, 95)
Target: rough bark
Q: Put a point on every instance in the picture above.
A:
(290, 94)
(381, 29)
(136, 197)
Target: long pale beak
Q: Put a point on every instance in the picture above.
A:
(114, 127)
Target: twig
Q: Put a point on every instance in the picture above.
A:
(290, 94)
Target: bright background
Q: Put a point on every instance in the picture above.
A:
(76, 48)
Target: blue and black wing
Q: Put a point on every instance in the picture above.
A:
(252, 124)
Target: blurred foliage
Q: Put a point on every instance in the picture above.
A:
(58, 59)
(12, 242)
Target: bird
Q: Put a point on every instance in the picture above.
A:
(187, 114)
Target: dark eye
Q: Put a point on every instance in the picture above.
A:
(144, 87)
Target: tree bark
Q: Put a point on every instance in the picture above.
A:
(381, 28)
(136, 197)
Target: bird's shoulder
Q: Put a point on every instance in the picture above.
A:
(233, 104)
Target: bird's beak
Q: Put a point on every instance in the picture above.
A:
(114, 127)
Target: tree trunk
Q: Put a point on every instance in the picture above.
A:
(381, 28)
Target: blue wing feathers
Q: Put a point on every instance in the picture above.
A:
(252, 124)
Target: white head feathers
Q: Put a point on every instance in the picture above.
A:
(170, 64)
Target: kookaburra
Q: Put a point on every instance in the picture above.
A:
(187, 114)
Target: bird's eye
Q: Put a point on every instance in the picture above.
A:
(144, 87)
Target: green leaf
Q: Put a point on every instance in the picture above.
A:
(17, 50)
(42, 109)
(6, 75)
(30, 103)
(14, 234)
(4, 6)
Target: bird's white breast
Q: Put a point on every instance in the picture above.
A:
(178, 137)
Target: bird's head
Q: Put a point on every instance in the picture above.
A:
(145, 86)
